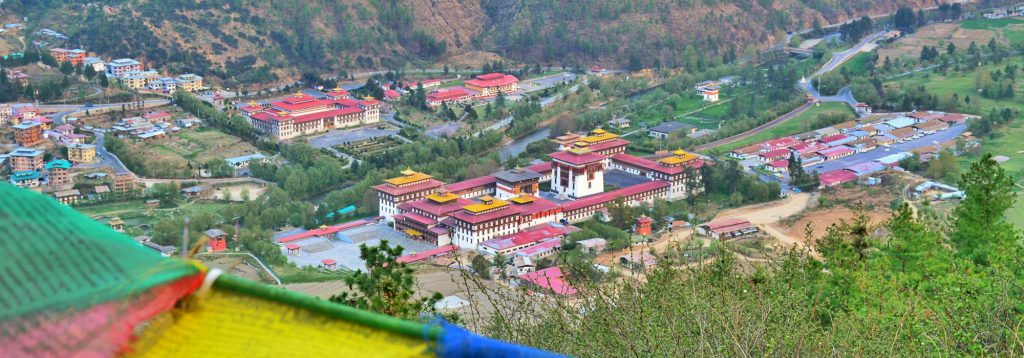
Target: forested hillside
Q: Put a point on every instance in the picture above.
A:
(252, 41)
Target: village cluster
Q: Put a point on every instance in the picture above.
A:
(848, 146)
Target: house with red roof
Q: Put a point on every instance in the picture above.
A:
(778, 166)
(508, 244)
(774, 155)
(490, 84)
(833, 153)
(836, 177)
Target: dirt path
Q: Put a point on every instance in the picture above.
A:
(765, 215)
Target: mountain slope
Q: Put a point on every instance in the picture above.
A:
(253, 41)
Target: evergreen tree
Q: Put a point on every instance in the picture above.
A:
(387, 286)
(982, 232)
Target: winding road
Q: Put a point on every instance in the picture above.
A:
(845, 94)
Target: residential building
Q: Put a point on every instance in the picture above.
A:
(833, 153)
(216, 240)
(25, 179)
(708, 90)
(124, 183)
(302, 114)
(26, 159)
(97, 64)
(490, 84)
(663, 130)
(123, 66)
(57, 173)
(28, 133)
(190, 82)
(68, 197)
(243, 161)
(138, 79)
(836, 177)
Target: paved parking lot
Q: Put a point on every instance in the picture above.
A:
(342, 136)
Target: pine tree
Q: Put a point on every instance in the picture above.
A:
(387, 286)
(982, 232)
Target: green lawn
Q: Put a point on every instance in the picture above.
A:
(855, 66)
(1016, 37)
(989, 24)
(962, 84)
(795, 125)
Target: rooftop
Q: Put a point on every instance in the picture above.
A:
(670, 127)
(516, 175)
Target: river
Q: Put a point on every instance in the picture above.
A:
(519, 145)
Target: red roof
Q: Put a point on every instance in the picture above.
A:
(252, 108)
(292, 246)
(402, 190)
(577, 159)
(527, 237)
(270, 117)
(454, 94)
(369, 102)
(833, 138)
(783, 142)
(725, 222)
(550, 278)
(425, 254)
(778, 153)
(417, 218)
(329, 261)
(492, 80)
(837, 177)
(471, 183)
(327, 230)
(327, 114)
(337, 93)
(540, 168)
(646, 164)
(608, 144)
(780, 164)
(299, 103)
(504, 212)
(611, 195)
(435, 209)
(644, 219)
(391, 94)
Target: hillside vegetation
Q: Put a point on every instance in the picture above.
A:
(252, 41)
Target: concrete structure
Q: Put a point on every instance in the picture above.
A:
(81, 153)
(28, 133)
(120, 67)
(577, 173)
(216, 240)
(25, 179)
(68, 197)
(23, 159)
(243, 161)
(57, 173)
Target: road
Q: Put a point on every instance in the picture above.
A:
(757, 130)
(845, 94)
(764, 215)
(59, 111)
(107, 159)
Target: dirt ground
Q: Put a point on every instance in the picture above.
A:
(234, 265)
(937, 35)
(255, 190)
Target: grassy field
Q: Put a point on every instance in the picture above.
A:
(795, 125)
(991, 24)
(135, 213)
(960, 83)
(172, 155)
(855, 66)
